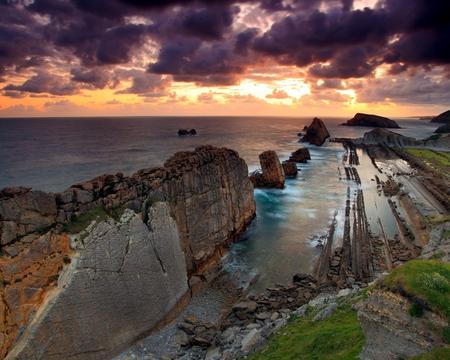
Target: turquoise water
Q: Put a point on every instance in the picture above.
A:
(52, 154)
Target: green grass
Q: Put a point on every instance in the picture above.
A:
(437, 354)
(439, 159)
(427, 280)
(339, 337)
(79, 223)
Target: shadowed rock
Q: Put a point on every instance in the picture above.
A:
(290, 168)
(316, 133)
(443, 118)
(371, 121)
(300, 156)
(186, 132)
(443, 129)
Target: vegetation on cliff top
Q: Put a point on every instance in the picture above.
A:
(426, 282)
(440, 160)
(79, 223)
(339, 337)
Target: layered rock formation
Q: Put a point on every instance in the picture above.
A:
(371, 121)
(316, 133)
(272, 175)
(124, 282)
(443, 118)
(391, 333)
(387, 138)
(181, 218)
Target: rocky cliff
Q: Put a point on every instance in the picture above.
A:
(371, 121)
(316, 133)
(92, 293)
(385, 137)
(391, 333)
(443, 118)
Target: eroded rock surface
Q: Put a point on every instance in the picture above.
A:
(391, 333)
(211, 203)
(316, 133)
(272, 175)
(126, 281)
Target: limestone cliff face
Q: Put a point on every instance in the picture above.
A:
(209, 202)
(125, 280)
(212, 201)
(391, 333)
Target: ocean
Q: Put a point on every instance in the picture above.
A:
(53, 153)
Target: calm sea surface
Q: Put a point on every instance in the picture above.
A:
(53, 153)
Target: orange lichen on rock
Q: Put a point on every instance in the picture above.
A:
(26, 278)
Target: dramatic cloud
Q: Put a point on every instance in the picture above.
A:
(149, 48)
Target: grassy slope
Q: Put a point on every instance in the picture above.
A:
(438, 159)
(339, 337)
(428, 280)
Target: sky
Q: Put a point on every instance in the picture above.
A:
(224, 57)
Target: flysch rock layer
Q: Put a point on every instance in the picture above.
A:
(126, 281)
(210, 199)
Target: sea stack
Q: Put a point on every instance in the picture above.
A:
(371, 121)
(272, 175)
(316, 133)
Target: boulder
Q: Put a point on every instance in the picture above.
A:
(290, 168)
(300, 156)
(272, 175)
(316, 133)
(371, 120)
(443, 118)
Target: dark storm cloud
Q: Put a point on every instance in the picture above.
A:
(97, 78)
(143, 83)
(202, 42)
(45, 83)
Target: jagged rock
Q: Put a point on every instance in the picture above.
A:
(443, 129)
(391, 332)
(186, 132)
(290, 168)
(300, 156)
(443, 118)
(316, 133)
(250, 339)
(96, 294)
(272, 175)
(371, 120)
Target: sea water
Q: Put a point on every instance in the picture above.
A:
(53, 153)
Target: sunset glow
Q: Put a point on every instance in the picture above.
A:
(280, 58)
